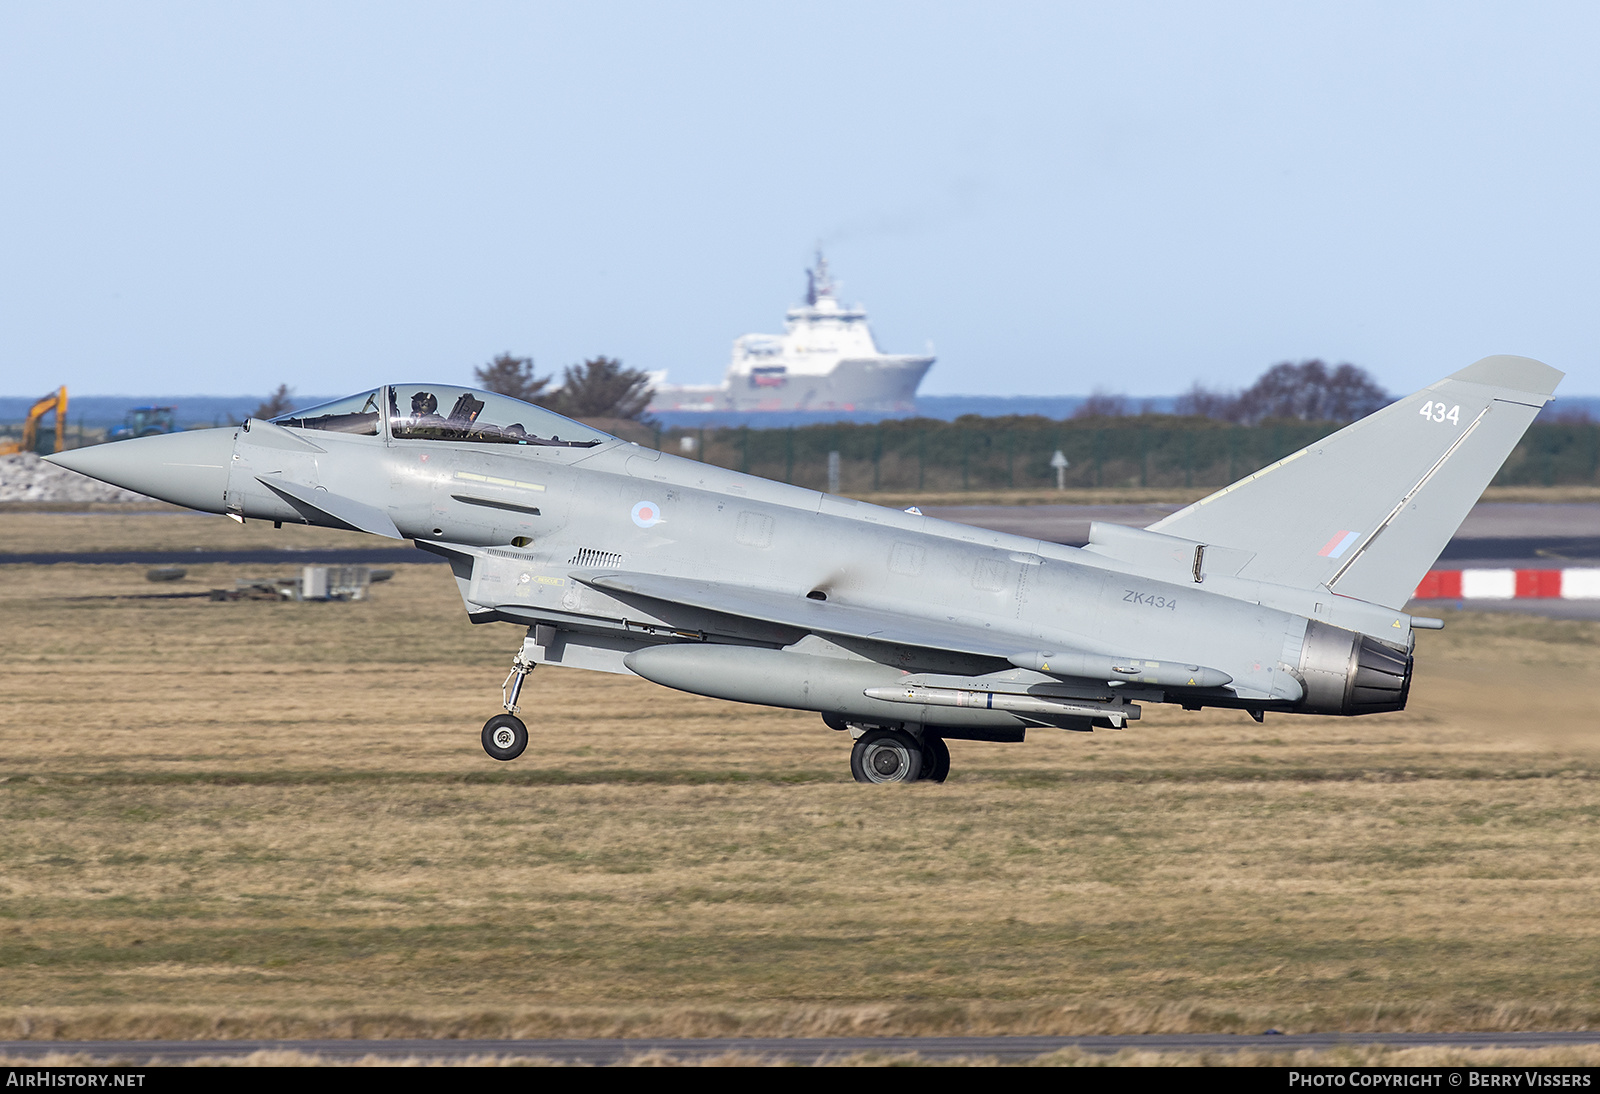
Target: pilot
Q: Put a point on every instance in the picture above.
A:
(424, 420)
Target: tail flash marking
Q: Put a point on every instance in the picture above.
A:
(1340, 543)
(1405, 501)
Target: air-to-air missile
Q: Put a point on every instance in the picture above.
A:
(1282, 592)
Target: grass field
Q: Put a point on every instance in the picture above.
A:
(1363, 1056)
(263, 819)
(167, 528)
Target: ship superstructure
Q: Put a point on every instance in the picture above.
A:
(826, 359)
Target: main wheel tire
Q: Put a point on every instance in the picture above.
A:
(935, 758)
(504, 736)
(886, 756)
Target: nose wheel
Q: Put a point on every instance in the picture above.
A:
(504, 736)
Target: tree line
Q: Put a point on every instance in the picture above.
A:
(598, 388)
(1309, 391)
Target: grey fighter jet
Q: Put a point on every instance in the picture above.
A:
(1282, 592)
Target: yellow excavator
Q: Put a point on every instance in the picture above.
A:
(56, 401)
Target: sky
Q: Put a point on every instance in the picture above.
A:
(1128, 197)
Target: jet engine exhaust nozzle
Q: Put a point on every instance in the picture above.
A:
(1348, 673)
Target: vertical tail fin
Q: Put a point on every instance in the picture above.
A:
(1367, 510)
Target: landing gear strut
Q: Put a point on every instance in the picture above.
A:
(505, 735)
(511, 690)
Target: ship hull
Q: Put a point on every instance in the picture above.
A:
(826, 360)
(864, 383)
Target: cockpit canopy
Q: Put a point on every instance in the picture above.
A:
(439, 412)
(353, 414)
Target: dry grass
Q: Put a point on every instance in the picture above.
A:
(169, 529)
(1584, 1056)
(259, 819)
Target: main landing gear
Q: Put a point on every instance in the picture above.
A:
(896, 756)
(505, 735)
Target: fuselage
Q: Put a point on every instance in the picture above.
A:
(903, 629)
(532, 517)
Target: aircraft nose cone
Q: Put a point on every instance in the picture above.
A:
(188, 468)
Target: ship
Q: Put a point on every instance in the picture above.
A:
(825, 360)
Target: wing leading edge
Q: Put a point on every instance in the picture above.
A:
(820, 617)
(947, 635)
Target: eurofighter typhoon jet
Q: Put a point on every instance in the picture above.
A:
(1282, 592)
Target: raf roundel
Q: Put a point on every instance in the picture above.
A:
(647, 514)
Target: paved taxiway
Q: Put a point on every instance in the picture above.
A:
(1497, 533)
(1494, 533)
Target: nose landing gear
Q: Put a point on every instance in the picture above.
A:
(505, 736)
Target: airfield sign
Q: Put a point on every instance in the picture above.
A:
(1059, 462)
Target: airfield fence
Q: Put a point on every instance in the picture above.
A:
(984, 454)
(987, 454)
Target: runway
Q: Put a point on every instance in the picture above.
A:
(803, 1050)
(1496, 534)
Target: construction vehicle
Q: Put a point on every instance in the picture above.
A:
(145, 421)
(56, 401)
